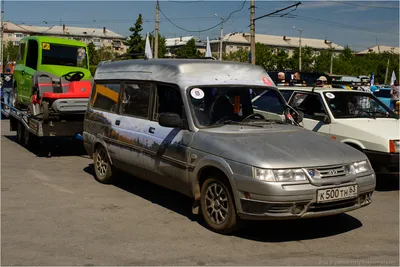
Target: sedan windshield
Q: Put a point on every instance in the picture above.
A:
(356, 105)
(215, 106)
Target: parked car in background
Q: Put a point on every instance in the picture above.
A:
(383, 94)
(356, 118)
(189, 125)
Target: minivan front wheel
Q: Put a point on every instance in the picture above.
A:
(102, 166)
(217, 207)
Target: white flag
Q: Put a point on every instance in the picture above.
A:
(208, 51)
(393, 78)
(147, 51)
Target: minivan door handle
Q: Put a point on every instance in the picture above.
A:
(117, 122)
(151, 130)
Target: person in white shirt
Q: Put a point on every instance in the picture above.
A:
(394, 94)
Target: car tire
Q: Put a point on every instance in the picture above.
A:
(217, 206)
(102, 166)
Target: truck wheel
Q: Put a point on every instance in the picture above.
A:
(30, 140)
(217, 207)
(102, 166)
(20, 132)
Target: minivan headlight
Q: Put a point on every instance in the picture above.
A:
(361, 167)
(394, 146)
(282, 175)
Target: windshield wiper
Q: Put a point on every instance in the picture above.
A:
(241, 123)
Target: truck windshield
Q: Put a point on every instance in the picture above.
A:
(56, 54)
(219, 105)
(356, 105)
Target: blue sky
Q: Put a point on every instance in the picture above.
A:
(359, 24)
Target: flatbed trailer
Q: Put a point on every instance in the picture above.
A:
(34, 132)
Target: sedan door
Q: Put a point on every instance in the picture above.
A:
(316, 118)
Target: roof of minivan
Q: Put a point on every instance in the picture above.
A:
(184, 72)
(54, 40)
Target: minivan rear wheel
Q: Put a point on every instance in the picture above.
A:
(217, 207)
(102, 166)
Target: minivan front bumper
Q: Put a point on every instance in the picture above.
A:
(294, 201)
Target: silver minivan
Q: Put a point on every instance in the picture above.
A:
(190, 126)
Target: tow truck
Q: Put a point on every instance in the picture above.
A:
(52, 85)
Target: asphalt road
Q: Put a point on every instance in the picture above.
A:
(54, 213)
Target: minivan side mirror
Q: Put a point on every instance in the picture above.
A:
(321, 117)
(170, 120)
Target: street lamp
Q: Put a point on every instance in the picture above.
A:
(222, 36)
(300, 30)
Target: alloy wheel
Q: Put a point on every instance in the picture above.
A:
(217, 205)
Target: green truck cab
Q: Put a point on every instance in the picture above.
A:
(47, 56)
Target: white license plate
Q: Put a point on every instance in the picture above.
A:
(333, 194)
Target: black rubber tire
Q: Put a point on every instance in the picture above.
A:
(107, 177)
(20, 133)
(30, 140)
(230, 225)
(45, 106)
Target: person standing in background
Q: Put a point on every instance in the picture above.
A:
(7, 78)
(394, 94)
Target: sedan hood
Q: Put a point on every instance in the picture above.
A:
(281, 146)
(381, 127)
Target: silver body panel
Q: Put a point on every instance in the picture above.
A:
(175, 158)
(66, 105)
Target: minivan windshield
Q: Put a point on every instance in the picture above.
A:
(218, 105)
(356, 105)
(64, 55)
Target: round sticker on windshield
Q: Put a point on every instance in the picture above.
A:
(330, 95)
(197, 93)
(266, 81)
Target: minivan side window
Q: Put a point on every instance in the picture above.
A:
(135, 99)
(32, 55)
(168, 99)
(105, 96)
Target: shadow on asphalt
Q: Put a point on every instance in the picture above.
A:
(385, 183)
(55, 147)
(263, 231)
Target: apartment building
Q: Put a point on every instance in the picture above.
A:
(235, 41)
(379, 49)
(100, 37)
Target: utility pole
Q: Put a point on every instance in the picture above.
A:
(252, 32)
(300, 51)
(156, 33)
(387, 70)
(222, 39)
(2, 35)
(331, 61)
(252, 26)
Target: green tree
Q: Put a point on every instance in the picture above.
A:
(162, 46)
(134, 41)
(93, 57)
(106, 53)
(307, 59)
(282, 61)
(264, 56)
(241, 55)
(10, 52)
(189, 50)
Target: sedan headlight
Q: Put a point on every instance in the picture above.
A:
(361, 167)
(284, 175)
(394, 146)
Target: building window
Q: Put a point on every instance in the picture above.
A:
(10, 35)
(16, 42)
